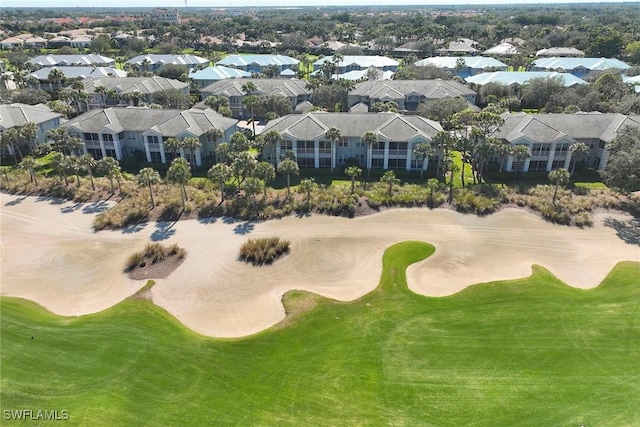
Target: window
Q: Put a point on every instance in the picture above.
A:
(377, 163)
(121, 136)
(416, 163)
(111, 153)
(152, 140)
(91, 137)
(96, 153)
(538, 165)
(397, 164)
(155, 157)
(343, 142)
(561, 149)
(557, 164)
(342, 159)
(325, 147)
(360, 159)
(377, 148)
(306, 162)
(539, 150)
(517, 166)
(325, 162)
(305, 147)
(360, 144)
(286, 145)
(397, 148)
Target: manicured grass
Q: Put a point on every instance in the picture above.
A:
(590, 185)
(514, 353)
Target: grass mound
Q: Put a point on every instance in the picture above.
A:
(263, 250)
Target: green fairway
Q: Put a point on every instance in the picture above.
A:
(530, 352)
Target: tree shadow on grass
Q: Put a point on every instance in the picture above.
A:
(163, 231)
(628, 231)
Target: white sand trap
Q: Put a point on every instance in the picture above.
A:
(55, 259)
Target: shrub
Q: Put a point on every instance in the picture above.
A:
(153, 252)
(263, 250)
(583, 219)
(134, 260)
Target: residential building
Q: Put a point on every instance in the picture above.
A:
(17, 115)
(549, 136)
(579, 67)
(260, 63)
(119, 132)
(408, 94)
(502, 49)
(124, 91)
(171, 16)
(358, 63)
(72, 73)
(509, 78)
(461, 46)
(464, 66)
(397, 135)
(210, 75)
(566, 52)
(89, 60)
(293, 89)
(153, 62)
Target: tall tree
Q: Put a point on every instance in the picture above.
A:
(173, 144)
(369, 138)
(215, 135)
(11, 138)
(559, 177)
(352, 172)
(28, 132)
(111, 167)
(59, 164)
(28, 163)
(423, 151)
(520, 153)
(389, 179)
(179, 173)
(271, 138)
(623, 167)
(306, 187)
(192, 143)
(147, 177)
(578, 150)
(249, 88)
(266, 172)
(89, 164)
(239, 142)
(219, 174)
(333, 134)
(288, 167)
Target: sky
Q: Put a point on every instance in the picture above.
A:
(286, 3)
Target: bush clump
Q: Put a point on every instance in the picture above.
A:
(263, 250)
(153, 253)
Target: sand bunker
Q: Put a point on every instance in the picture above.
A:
(52, 256)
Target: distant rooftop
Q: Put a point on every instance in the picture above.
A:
(261, 60)
(508, 78)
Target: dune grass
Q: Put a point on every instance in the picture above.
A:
(515, 353)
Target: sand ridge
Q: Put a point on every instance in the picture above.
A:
(52, 256)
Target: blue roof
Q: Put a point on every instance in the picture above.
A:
(218, 73)
(288, 72)
(450, 62)
(555, 63)
(261, 60)
(508, 78)
(364, 61)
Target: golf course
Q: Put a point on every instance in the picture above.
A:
(519, 352)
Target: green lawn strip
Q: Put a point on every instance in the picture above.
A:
(523, 352)
(468, 171)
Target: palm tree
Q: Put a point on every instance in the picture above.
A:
(423, 151)
(223, 153)
(28, 163)
(288, 167)
(445, 142)
(333, 134)
(454, 169)
(558, 177)
(353, 172)
(243, 166)
(55, 76)
(173, 144)
(179, 173)
(111, 167)
(433, 184)
(59, 163)
(520, 152)
(503, 150)
(102, 91)
(239, 142)
(28, 132)
(220, 174)
(271, 138)
(214, 135)
(89, 164)
(252, 186)
(389, 178)
(578, 150)
(307, 186)
(369, 138)
(75, 166)
(147, 177)
(11, 138)
(249, 88)
(192, 143)
(266, 172)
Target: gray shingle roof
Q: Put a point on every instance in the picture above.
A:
(431, 89)
(169, 59)
(233, 87)
(16, 115)
(393, 126)
(143, 85)
(548, 127)
(82, 60)
(166, 122)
